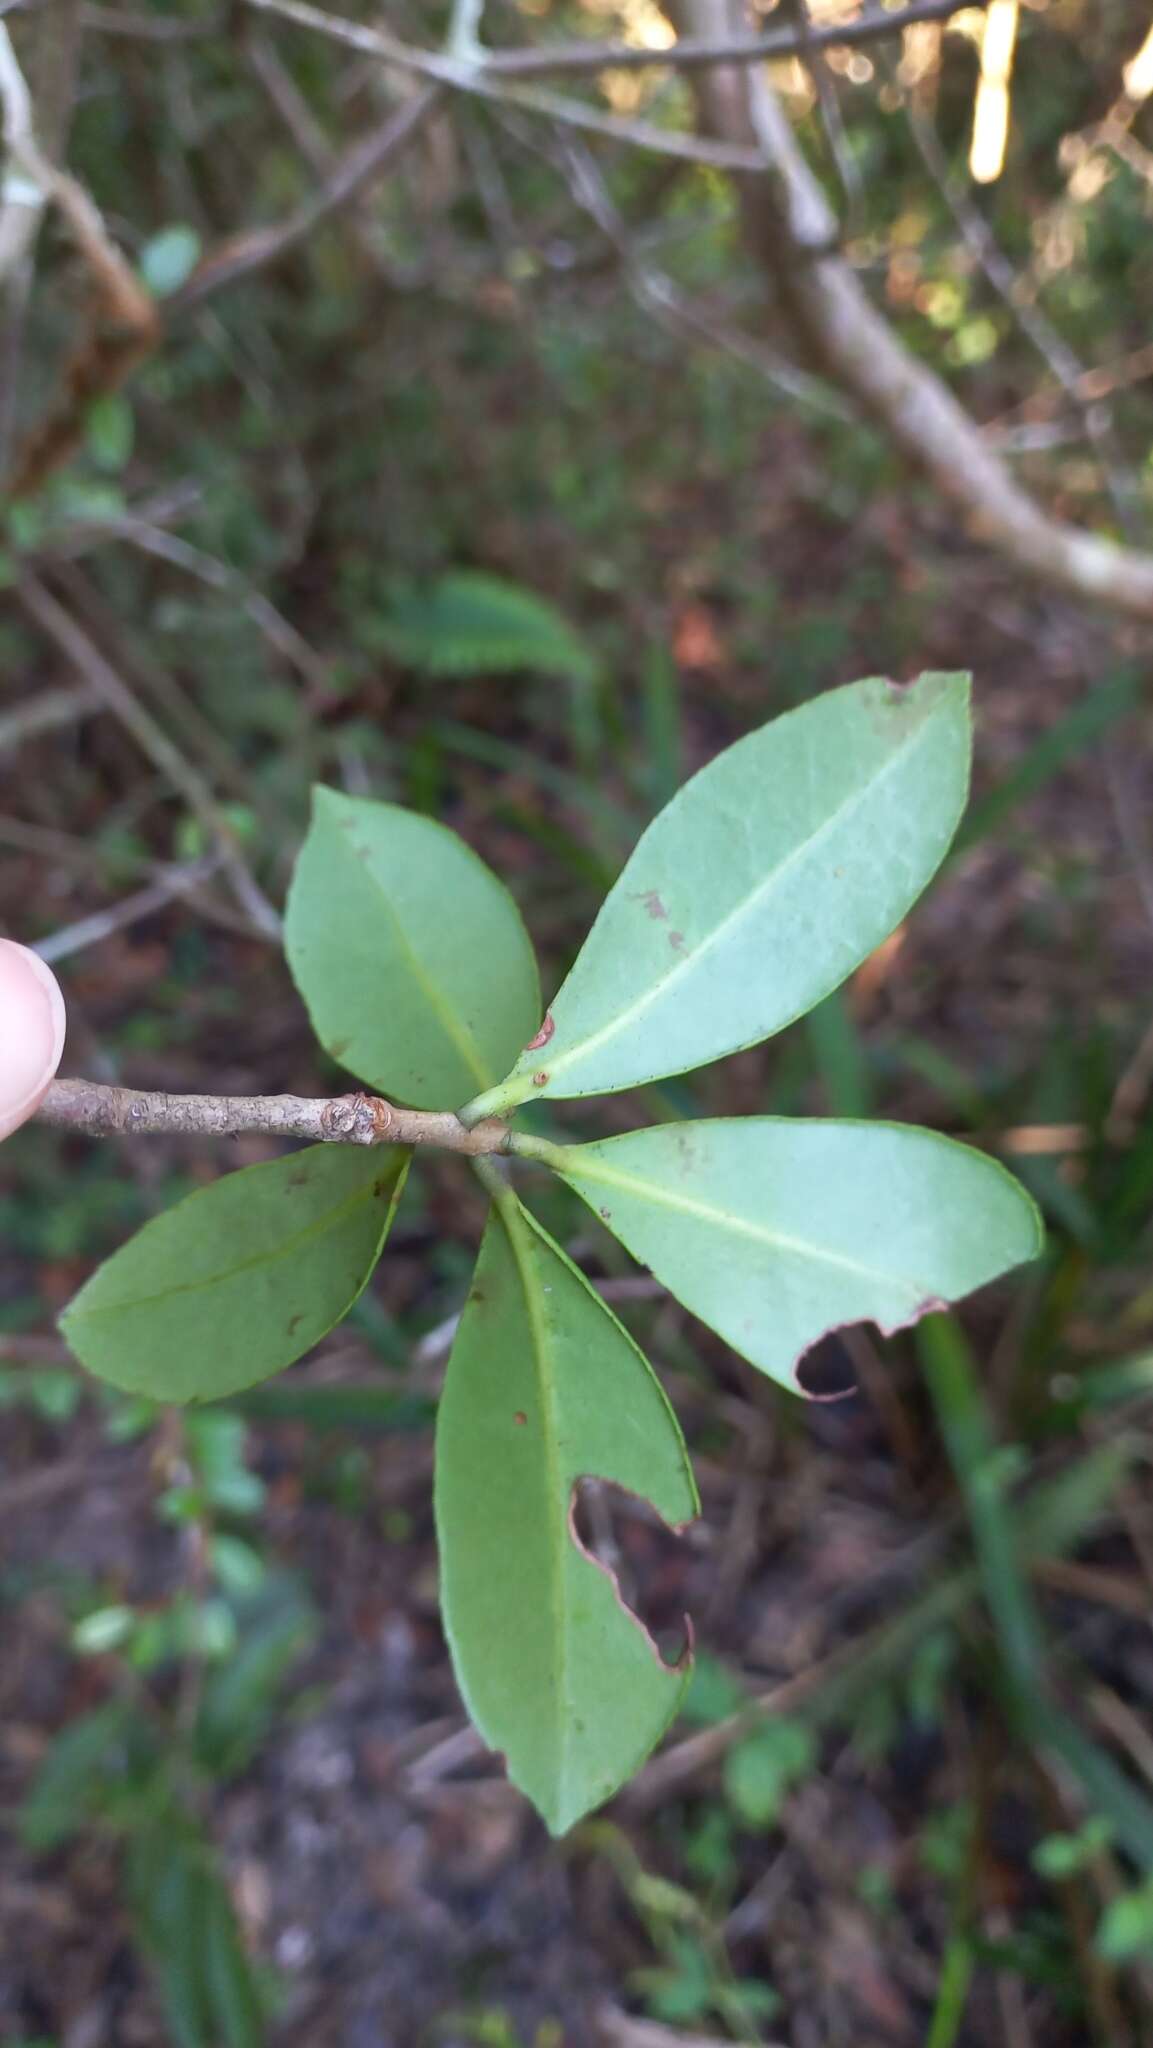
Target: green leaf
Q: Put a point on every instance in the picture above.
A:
(411, 956)
(544, 1387)
(1126, 1928)
(240, 1278)
(766, 880)
(775, 1232)
(80, 1766)
(109, 426)
(470, 624)
(1062, 1856)
(760, 1771)
(184, 1920)
(169, 259)
(103, 1630)
(240, 1697)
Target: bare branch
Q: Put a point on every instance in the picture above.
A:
(696, 53)
(22, 195)
(656, 292)
(1069, 372)
(125, 325)
(118, 917)
(150, 28)
(812, 56)
(154, 540)
(77, 647)
(348, 177)
(792, 234)
(463, 37)
(98, 1111)
(43, 713)
(487, 83)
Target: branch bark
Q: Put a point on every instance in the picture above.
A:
(361, 164)
(486, 82)
(124, 324)
(98, 1111)
(792, 234)
(694, 53)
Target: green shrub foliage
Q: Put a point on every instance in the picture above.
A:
(764, 882)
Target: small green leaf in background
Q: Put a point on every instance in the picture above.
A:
(544, 1387)
(185, 1921)
(1126, 1928)
(240, 1697)
(109, 427)
(105, 1629)
(1063, 1856)
(760, 1771)
(417, 971)
(769, 877)
(241, 1278)
(216, 1447)
(169, 259)
(471, 624)
(83, 1768)
(776, 1231)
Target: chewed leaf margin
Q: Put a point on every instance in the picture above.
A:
(777, 1231)
(545, 1388)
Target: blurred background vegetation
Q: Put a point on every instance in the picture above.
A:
(491, 492)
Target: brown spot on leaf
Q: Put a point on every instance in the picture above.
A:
(651, 900)
(539, 1080)
(677, 941)
(294, 1323)
(543, 1035)
(520, 1418)
(607, 1214)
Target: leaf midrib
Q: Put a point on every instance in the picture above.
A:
(689, 962)
(443, 1012)
(659, 1196)
(521, 1241)
(327, 1222)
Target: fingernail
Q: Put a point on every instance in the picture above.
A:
(32, 1028)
